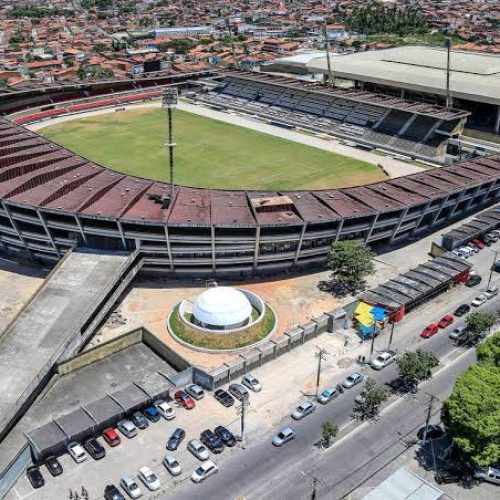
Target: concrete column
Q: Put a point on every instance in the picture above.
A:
(372, 227)
(497, 123)
(80, 227)
(406, 125)
(48, 233)
(299, 245)
(256, 250)
(432, 130)
(424, 213)
(169, 250)
(381, 119)
(339, 230)
(16, 227)
(440, 209)
(122, 235)
(212, 241)
(398, 225)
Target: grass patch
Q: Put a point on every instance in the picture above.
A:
(209, 153)
(222, 341)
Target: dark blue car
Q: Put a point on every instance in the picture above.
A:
(151, 413)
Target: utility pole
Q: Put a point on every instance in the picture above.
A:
(320, 354)
(327, 50)
(495, 253)
(169, 102)
(314, 482)
(430, 407)
(447, 44)
(372, 344)
(391, 335)
(241, 411)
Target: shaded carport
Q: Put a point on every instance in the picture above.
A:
(76, 425)
(156, 386)
(105, 412)
(47, 440)
(130, 398)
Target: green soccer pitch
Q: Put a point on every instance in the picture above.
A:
(209, 153)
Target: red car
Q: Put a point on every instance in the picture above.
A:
(478, 243)
(429, 331)
(184, 399)
(445, 321)
(111, 437)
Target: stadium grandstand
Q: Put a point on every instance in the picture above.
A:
(371, 119)
(52, 200)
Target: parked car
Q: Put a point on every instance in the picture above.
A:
(283, 436)
(224, 398)
(111, 437)
(433, 432)
(479, 244)
(474, 280)
(491, 292)
(490, 474)
(184, 399)
(458, 332)
(176, 439)
(327, 395)
(172, 465)
(204, 471)
(429, 331)
(76, 452)
(127, 428)
(149, 478)
(152, 414)
(212, 441)
(383, 359)
(445, 321)
(449, 475)
(461, 310)
(304, 409)
(195, 391)
(352, 380)
(198, 449)
(129, 484)
(473, 247)
(164, 409)
(251, 382)
(226, 436)
(35, 477)
(238, 391)
(479, 300)
(54, 466)
(493, 236)
(94, 448)
(139, 420)
(111, 492)
(465, 252)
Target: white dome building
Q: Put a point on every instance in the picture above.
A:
(222, 308)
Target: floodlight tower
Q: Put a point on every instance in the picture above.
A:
(169, 102)
(447, 44)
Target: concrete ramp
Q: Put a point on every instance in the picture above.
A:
(55, 323)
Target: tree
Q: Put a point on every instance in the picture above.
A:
(81, 73)
(478, 322)
(472, 413)
(350, 262)
(373, 396)
(489, 351)
(329, 430)
(414, 366)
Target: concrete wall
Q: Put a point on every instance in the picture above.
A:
(268, 351)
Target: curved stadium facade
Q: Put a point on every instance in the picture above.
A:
(53, 200)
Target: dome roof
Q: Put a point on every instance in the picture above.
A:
(222, 306)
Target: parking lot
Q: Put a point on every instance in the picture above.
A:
(285, 383)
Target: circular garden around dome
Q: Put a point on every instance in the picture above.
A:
(222, 319)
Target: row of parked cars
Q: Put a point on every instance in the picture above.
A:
(477, 244)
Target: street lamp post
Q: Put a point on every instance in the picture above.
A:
(169, 102)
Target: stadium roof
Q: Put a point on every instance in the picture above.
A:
(473, 76)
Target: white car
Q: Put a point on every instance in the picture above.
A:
(129, 484)
(303, 410)
(251, 382)
(164, 409)
(172, 465)
(479, 300)
(327, 395)
(77, 452)
(148, 477)
(383, 359)
(491, 292)
(198, 449)
(204, 471)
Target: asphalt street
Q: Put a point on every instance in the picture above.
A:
(263, 471)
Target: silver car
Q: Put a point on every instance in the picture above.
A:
(172, 465)
(283, 436)
(127, 428)
(195, 391)
(303, 410)
(327, 395)
(198, 449)
(352, 380)
(129, 484)
(251, 382)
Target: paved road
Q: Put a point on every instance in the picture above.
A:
(263, 471)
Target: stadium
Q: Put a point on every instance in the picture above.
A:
(53, 200)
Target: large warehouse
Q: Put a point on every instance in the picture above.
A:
(419, 73)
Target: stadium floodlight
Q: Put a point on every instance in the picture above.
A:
(447, 44)
(169, 101)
